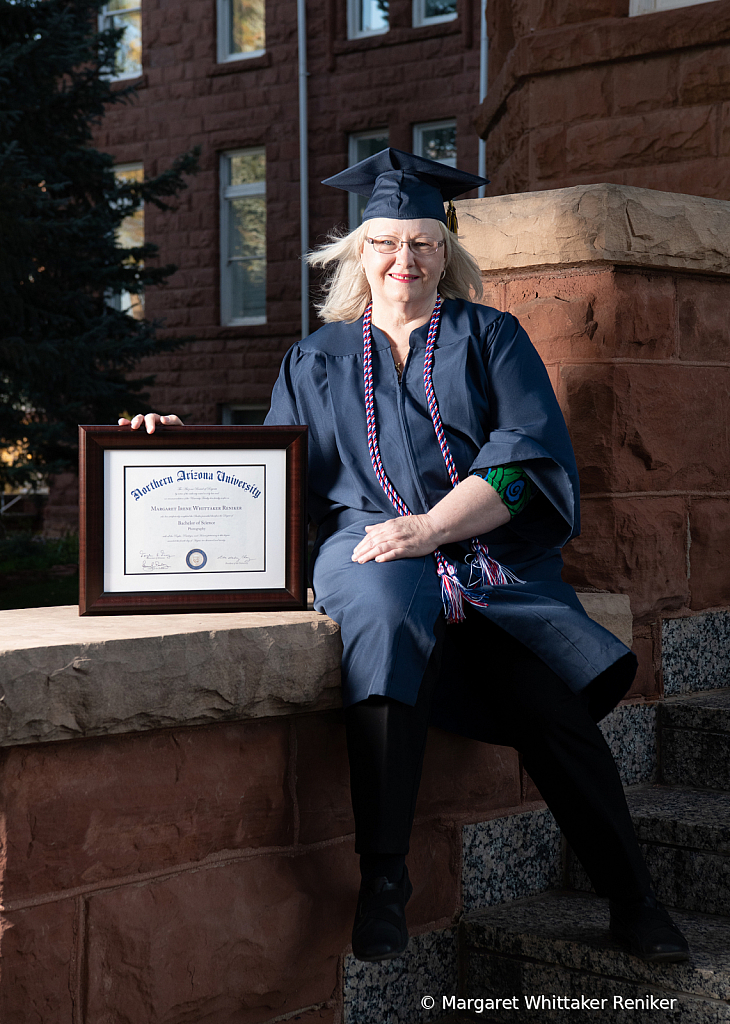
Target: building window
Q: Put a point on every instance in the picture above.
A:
(243, 237)
(361, 146)
(241, 29)
(126, 14)
(366, 18)
(243, 415)
(431, 12)
(130, 234)
(649, 6)
(436, 140)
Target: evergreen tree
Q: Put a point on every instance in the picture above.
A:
(65, 352)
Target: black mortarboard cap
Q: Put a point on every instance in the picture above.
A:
(403, 186)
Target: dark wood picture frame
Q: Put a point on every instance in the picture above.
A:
(95, 440)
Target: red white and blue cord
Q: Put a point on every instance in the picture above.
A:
(453, 591)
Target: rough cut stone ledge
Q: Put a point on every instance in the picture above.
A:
(63, 677)
(603, 223)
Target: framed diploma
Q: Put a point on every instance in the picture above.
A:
(192, 519)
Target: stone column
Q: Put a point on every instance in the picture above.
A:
(624, 292)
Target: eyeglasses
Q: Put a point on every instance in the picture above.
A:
(419, 246)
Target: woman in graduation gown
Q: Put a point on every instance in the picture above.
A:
(443, 484)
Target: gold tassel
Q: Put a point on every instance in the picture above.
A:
(452, 222)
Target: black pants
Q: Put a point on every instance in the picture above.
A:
(554, 729)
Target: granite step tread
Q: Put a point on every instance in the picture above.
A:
(569, 932)
(694, 819)
(706, 710)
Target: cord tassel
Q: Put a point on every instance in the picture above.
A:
(452, 222)
(493, 573)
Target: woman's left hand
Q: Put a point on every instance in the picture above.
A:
(405, 537)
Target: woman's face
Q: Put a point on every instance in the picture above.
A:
(402, 277)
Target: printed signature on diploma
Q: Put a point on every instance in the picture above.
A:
(234, 559)
(155, 561)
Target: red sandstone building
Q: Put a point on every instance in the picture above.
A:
(627, 91)
(226, 77)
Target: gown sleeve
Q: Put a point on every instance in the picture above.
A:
(284, 411)
(527, 428)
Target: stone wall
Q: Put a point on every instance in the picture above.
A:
(579, 92)
(624, 293)
(177, 841)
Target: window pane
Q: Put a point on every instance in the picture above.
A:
(438, 8)
(247, 231)
(248, 289)
(247, 256)
(369, 146)
(247, 26)
(130, 233)
(360, 149)
(247, 168)
(439, 144)
(245, 417)
(373, 15)
(129, 51)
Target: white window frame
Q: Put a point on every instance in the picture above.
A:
(103, 17)
(227, 192)
(223, 20)
(419, 15)
(637, 7)
(352, 158)
(424, 127)
(354, 18)
(229, 408)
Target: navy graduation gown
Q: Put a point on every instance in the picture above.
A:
(497, 407)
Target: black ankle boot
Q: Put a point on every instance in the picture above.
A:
(646, 929)
(380, 930)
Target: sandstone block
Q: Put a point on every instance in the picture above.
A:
(323, 778)
(704, 329)
(704, 75)
(246, 941)
(725, 130)
(651, 138)
(38, 964)
(513, 175)
(434, 865)
(709, 533)
(548, 152)
(647, 683)
(613, 611)
(63, 676)
(323, 1016)
(80, 813)
(568, 96)
(530, 792)
(465, 778)
(599, 315)
(625, 441)
(706, 176)
(595, 224)
(506, 133)
(645, 85)
(634, 546)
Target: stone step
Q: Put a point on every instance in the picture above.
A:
(694, 744)
(557, 945)
(685, 838)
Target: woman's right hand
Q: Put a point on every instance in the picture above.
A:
(150, 421)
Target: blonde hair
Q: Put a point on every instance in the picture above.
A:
(346, 289)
